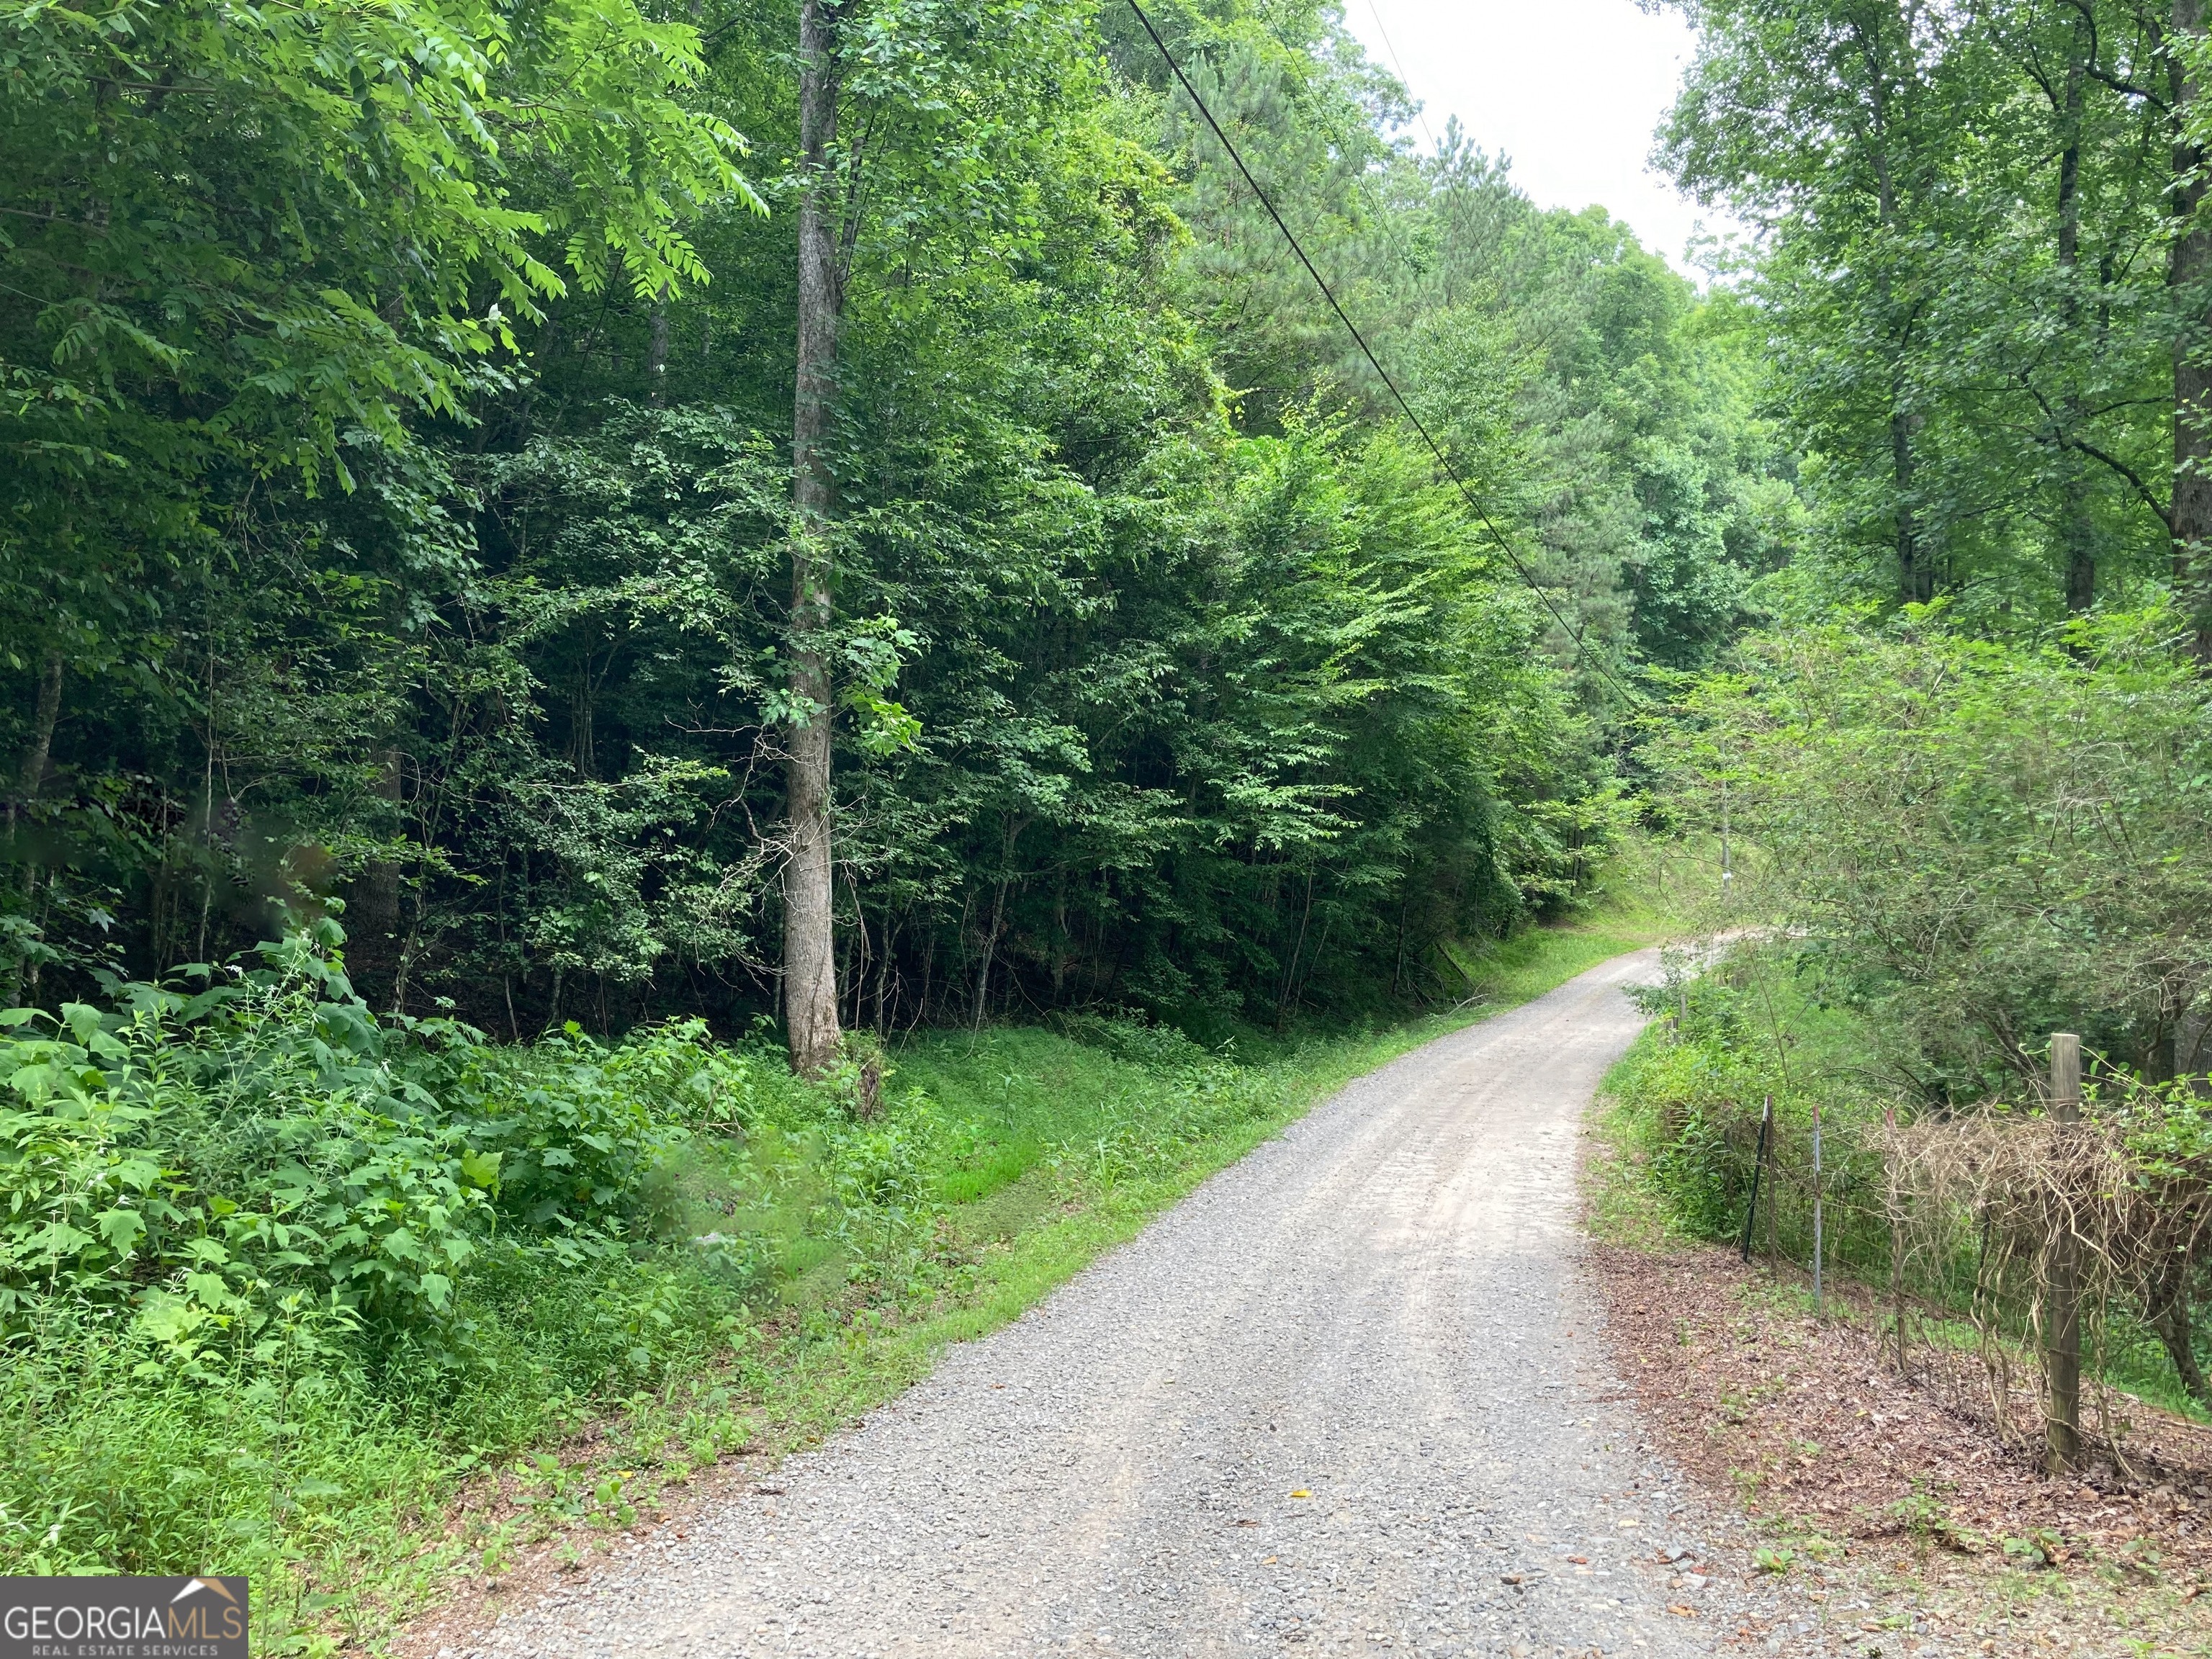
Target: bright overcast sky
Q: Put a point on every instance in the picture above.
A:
(1571, 90)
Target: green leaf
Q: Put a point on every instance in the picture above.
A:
(122, 1229)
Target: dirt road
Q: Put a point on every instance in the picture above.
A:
(1346, 1398)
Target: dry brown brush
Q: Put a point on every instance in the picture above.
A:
(1996, 1211)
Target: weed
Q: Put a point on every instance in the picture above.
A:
(1926, 1521)
(2039, 1549)
(2140, 1557)
(497, 1552)
(1817, 1546)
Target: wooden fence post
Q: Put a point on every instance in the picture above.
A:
(2062, 1286)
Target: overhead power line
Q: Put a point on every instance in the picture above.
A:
(1474, 501)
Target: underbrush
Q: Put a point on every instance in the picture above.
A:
(1679, 1139)
(348, 1304)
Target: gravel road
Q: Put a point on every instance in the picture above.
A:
(1347, 1396)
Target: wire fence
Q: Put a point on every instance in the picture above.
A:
(2020, 1259)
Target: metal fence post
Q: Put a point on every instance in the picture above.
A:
(1820, 1304)
(1758, 1169)
(1896, 1233)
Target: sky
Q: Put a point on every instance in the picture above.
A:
(1571, 90)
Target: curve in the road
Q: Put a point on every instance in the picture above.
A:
(1349, 1396)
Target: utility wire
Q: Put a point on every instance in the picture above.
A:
(1474, 501)
(1420, 110)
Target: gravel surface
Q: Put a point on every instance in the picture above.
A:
(1349, 1396)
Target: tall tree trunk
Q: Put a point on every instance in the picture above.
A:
(1915, 577)
(32, 777)
(2076, 534)
(810, 962)
(39, 751)
(990, 948)
(2168, 1314)
(374, 931)
(2188, 267)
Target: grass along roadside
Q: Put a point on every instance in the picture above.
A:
(372, 1312)
(1043, 1197)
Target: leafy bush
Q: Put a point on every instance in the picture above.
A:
(191, 1162)
(1981, 842)
(1691, 1094)
(276, 1273)
(1688, 1097)
(1160, 1048)
(185, 1167)
(267, 1261)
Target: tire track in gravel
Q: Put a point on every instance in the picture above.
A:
(1380, 1309)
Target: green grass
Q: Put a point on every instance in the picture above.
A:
(1530, 963)
(799, 1272)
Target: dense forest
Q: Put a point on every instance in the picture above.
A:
(1962, 743)
(1968, 727)
(403, 512)
(579, 576)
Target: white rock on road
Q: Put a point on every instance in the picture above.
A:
(1348, 1396)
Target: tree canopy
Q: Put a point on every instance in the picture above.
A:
(399, 419)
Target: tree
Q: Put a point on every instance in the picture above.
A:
(1824, 121)
(810, 962)
(241, 238)
(1966, 280)
(251, 255)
